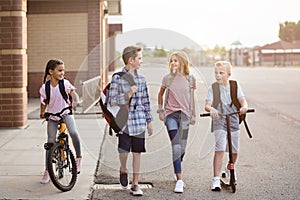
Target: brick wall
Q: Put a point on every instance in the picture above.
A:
(68, 30)
(13, 63)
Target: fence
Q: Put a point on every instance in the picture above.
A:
(90, 93)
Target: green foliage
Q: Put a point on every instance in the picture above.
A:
(160, 52)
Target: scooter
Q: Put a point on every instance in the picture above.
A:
(230, 181)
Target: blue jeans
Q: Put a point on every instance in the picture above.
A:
(177, 124)
(71, 126)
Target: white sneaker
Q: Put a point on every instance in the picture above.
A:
(136, 191)
(45, 178)
(216, 186)
(78, 164)
(179, 186)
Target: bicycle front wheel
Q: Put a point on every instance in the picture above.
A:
(62, 167)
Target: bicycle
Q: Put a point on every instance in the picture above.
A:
(61, 161)
(231, 182)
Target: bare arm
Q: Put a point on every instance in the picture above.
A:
(75, 98)
(244, 105)
(160, 97)
(42, 110)
(208, 105)
(213, 112)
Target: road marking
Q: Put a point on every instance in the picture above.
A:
(117, 186)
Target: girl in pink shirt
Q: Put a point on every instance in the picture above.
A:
(179, 108)
(56, 70)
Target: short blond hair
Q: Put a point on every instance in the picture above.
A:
(183, 59)
(225, 64)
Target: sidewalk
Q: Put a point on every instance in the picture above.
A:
(22, 158)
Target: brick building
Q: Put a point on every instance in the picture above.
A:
(34, 31)
(280, 53)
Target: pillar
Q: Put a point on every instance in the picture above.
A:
(13, 63)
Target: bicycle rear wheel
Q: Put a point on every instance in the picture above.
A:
(62, 167)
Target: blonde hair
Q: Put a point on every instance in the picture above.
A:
(225, 64)
(184, 61)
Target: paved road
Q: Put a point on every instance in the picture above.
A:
(269, 164)
(268, 167)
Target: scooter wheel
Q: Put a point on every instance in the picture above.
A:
(223, 175)
(233, 187)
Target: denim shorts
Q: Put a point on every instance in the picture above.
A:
(134, 144)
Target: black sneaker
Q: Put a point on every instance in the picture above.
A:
(136, 191)
(124, 180)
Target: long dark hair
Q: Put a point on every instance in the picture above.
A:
(51, 64)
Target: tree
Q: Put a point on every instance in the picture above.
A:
(297, 31)
(289, 31)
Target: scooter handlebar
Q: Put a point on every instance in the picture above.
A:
(208, 114)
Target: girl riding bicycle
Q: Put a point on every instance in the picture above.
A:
(222, 73)
(54, 103)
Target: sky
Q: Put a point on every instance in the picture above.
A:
(210, 22)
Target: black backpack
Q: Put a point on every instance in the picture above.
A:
(62, 90)
(234, 99)
(115, 116)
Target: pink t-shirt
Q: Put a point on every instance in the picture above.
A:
(57, 102)
(179, 94)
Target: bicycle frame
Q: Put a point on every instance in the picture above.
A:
(61, 161)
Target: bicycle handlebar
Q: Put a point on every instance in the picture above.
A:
(208, 114)
(48, 114)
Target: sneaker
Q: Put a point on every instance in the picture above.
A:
(135, 190)
(216, 186)
(179, 186)
(46, 177)
(78, 165)
(124, 180)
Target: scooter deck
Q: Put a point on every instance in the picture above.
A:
(225, 181)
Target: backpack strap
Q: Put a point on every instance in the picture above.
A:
(234, 99)
(62, 90)
(236, 103)
(191, 85)
(47, 90)
(233, 94)
(168, 83)
(216, 96)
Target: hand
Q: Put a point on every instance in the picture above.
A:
(193, 120)
(161, 116)
(243, 110)
(133, 90)
(214, 113)
(149, 128)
